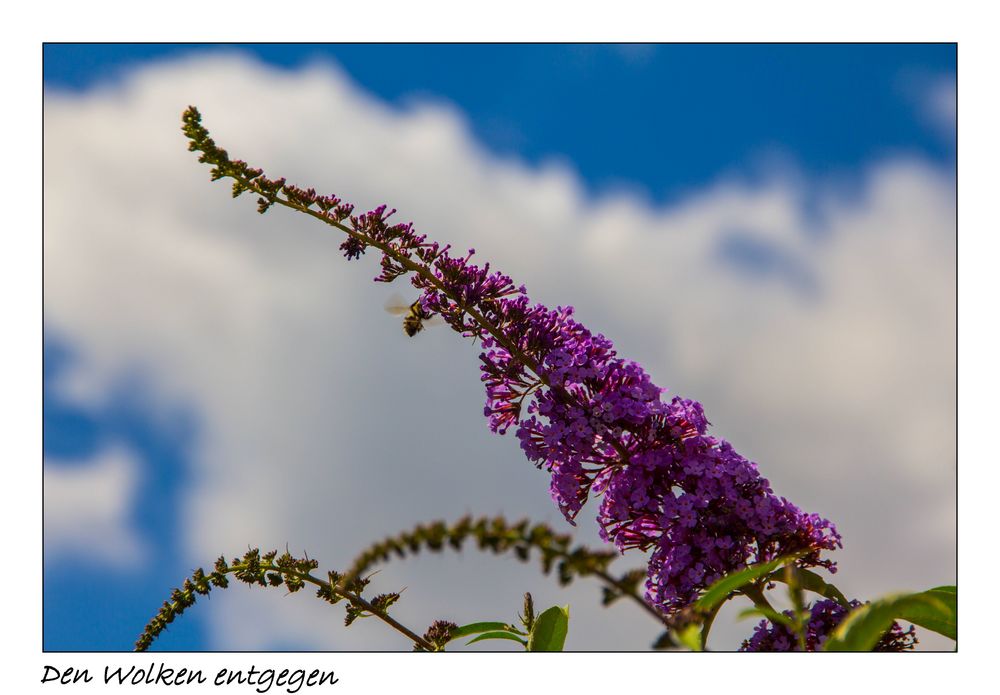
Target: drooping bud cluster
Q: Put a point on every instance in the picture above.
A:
(270, 570)
(496, 535)
(596, 422)
(824, 616)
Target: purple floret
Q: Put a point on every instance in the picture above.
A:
(825, 615)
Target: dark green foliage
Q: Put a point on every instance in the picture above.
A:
(864, 626)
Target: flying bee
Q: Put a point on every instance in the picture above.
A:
(415, 317)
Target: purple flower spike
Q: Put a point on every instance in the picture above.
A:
(599, 425)
(595, 421)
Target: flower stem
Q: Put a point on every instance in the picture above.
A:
(356, 599)
(756, 594)
(626, 591)
(707, 624)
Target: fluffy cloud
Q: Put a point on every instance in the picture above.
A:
(816, 324)
(88, 507)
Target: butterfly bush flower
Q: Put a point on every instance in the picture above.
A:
(824, 616)
(593, 420)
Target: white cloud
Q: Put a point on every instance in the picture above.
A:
(941, 104)
(88, 509)
(325, 428)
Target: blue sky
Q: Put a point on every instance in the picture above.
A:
(656, 126)
(663, 118)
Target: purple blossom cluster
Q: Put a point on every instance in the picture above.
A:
(824, 616)
(595, 421)
(599, 425)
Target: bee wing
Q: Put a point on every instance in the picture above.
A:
(435, 320)
(396, 305)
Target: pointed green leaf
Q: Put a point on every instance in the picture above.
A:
(720, 590)
(949, 589)
(942, 621)
(474, 628)
(499, 634)
(810, 581)
(863, 627)
(549, 631)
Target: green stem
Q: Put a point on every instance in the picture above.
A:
(707, 624)
(625, 591)
(756, 594)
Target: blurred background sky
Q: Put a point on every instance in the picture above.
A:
(769, 229)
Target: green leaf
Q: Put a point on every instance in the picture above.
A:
(942, 621)
(863, 627)
(474, 628)
(499, 634)
(720, 590)
(810, 581)
(549, 631)
(946, 589)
